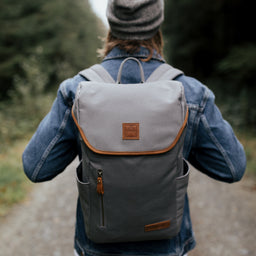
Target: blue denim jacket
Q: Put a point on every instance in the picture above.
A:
(210, 146)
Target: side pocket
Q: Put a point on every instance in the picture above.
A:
(181, 190)
(84, 195)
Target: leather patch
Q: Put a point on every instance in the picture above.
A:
(157, 226)
(131, 131)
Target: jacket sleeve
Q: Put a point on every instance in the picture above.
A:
(54, 144)
(216, 151)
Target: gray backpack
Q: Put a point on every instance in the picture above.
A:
(132, 179)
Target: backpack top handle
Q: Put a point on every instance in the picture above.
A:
(121, 69)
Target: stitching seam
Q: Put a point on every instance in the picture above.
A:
(51, 145)
(218, 145)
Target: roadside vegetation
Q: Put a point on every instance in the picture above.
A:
(248, 139)
(13, 183)
(19, 117)
(41, 44)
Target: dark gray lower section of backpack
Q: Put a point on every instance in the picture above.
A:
(141, 197)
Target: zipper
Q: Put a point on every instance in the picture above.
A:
(100, 191)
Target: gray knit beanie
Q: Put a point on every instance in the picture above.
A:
(135, 19)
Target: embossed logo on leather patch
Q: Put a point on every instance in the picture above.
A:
(157, 226)
(131, 131)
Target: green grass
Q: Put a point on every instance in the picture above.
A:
(14, 185)
(19, 118)
(248, 139)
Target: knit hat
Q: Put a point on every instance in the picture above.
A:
(135, 19)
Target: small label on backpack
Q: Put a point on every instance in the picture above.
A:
(131, 131)
(157, 226)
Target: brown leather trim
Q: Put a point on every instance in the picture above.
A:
(157, 226)
(130, 153)
(131, 131)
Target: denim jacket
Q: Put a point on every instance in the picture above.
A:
(210, 146)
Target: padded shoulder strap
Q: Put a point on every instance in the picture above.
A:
(97, 73)
(164, 72)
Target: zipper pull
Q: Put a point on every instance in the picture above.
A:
(100, 188)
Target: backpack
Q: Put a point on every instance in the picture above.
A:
(132, 178)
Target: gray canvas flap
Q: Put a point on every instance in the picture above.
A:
(131, 119)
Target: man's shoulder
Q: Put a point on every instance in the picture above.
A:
(68, 88)
(196, 93)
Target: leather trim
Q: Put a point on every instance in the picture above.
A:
(131, 153)
(157, 226)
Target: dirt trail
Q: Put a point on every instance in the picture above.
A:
(44, 224)
(224, 218)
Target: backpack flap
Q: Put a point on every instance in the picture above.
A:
(130, 119)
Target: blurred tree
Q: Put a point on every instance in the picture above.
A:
(200, 34)
(214, 41)
(63, 35)
(237, 70)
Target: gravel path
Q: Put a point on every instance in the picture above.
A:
(44, 224)
(224, 218)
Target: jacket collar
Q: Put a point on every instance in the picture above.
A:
(117, 53)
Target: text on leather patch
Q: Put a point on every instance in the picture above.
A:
(157, 226)
(131, 131)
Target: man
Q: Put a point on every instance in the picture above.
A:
(210, 144)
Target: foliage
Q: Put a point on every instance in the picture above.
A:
(41, 44)
(214, 41)
(200, 34)
(248, 139)
(64, 32)
(27, 106)
(13, 184)
(237, 71)
(19, 117)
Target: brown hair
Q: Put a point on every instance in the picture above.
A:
(133, 46)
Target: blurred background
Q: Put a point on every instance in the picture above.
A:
(44, 42)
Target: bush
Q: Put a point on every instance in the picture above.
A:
(13, 183)
(27, 105)
(19, 117)
(234, 85)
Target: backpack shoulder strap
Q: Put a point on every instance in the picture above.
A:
(97, 73)
(164, 72)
